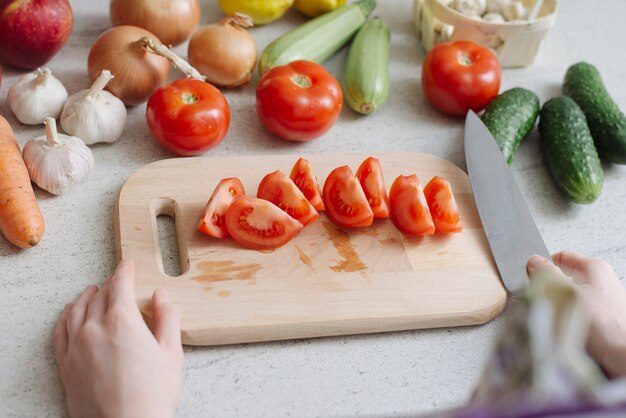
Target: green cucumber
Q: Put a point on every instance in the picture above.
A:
(366, 77)
(510, 117)
(606, 122)
(319, 38)
(569, 150)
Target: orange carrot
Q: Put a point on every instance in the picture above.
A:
(21, 221)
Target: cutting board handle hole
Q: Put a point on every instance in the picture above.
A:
(171, 261)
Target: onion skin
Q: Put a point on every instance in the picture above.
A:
(172, 21)
(137, 72)
(216, 53)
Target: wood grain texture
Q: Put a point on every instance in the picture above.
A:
(327, 280)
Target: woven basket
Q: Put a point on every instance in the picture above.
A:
(515, 43)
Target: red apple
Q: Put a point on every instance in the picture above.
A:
(32, 31)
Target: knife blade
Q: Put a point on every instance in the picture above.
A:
(511, 231)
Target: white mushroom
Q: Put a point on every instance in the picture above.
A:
(496, 6)
(494, 18)
(515, 11)
(469, 7)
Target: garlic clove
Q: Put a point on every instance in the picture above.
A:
(55, 161)
(95, 115)
(36, 96)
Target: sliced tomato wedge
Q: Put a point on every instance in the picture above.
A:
(370, 175)
(302, 175)
(408, 207)
(259, 224)
(442, 205)
(212, 218)
(277, 188)
(344, 199)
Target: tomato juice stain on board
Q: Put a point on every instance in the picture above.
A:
(369, 232)
(223, 293)
(220, 271)
(341, 241)
(389, 241)
(305, 258)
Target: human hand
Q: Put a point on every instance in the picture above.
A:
(605, 302)
(110, 364)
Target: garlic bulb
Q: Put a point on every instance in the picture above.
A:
(56, 162)
(36, 96)
(95, 115)
(469, 7)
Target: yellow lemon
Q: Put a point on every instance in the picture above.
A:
(261, 11)
(314, 8)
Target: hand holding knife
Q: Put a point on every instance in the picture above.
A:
(508, 223)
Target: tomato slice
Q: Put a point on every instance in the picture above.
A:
(212, 218)
(281, 191)
(443, 207)
(408, 207)
(370, 175)
(259, 224)
(344, 199)
(302, 175)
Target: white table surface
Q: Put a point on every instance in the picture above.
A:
(371, 375)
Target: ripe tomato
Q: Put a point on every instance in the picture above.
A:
(212, 218)
(259, 224)
(443, 207)
(188, 116)
(298, 101)
(344, 199)
(370, 175)
(408, 207)
(302, 176)
(460, 76)
(281, 191)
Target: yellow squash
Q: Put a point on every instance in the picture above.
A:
(260, 11)
(314, 8)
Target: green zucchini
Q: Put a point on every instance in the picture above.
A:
(319, 38)
(366, 77)
(606, 122)
(510, 117)
(569, 150)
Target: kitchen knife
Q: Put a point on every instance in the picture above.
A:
(510, 228)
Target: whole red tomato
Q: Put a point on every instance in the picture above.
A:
(460, 76)
(298, 101)
(188, 116)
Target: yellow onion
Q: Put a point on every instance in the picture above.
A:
(224, 52)
(172, 21)
(138, 72)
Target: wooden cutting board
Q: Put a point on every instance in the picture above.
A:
(327, 280)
